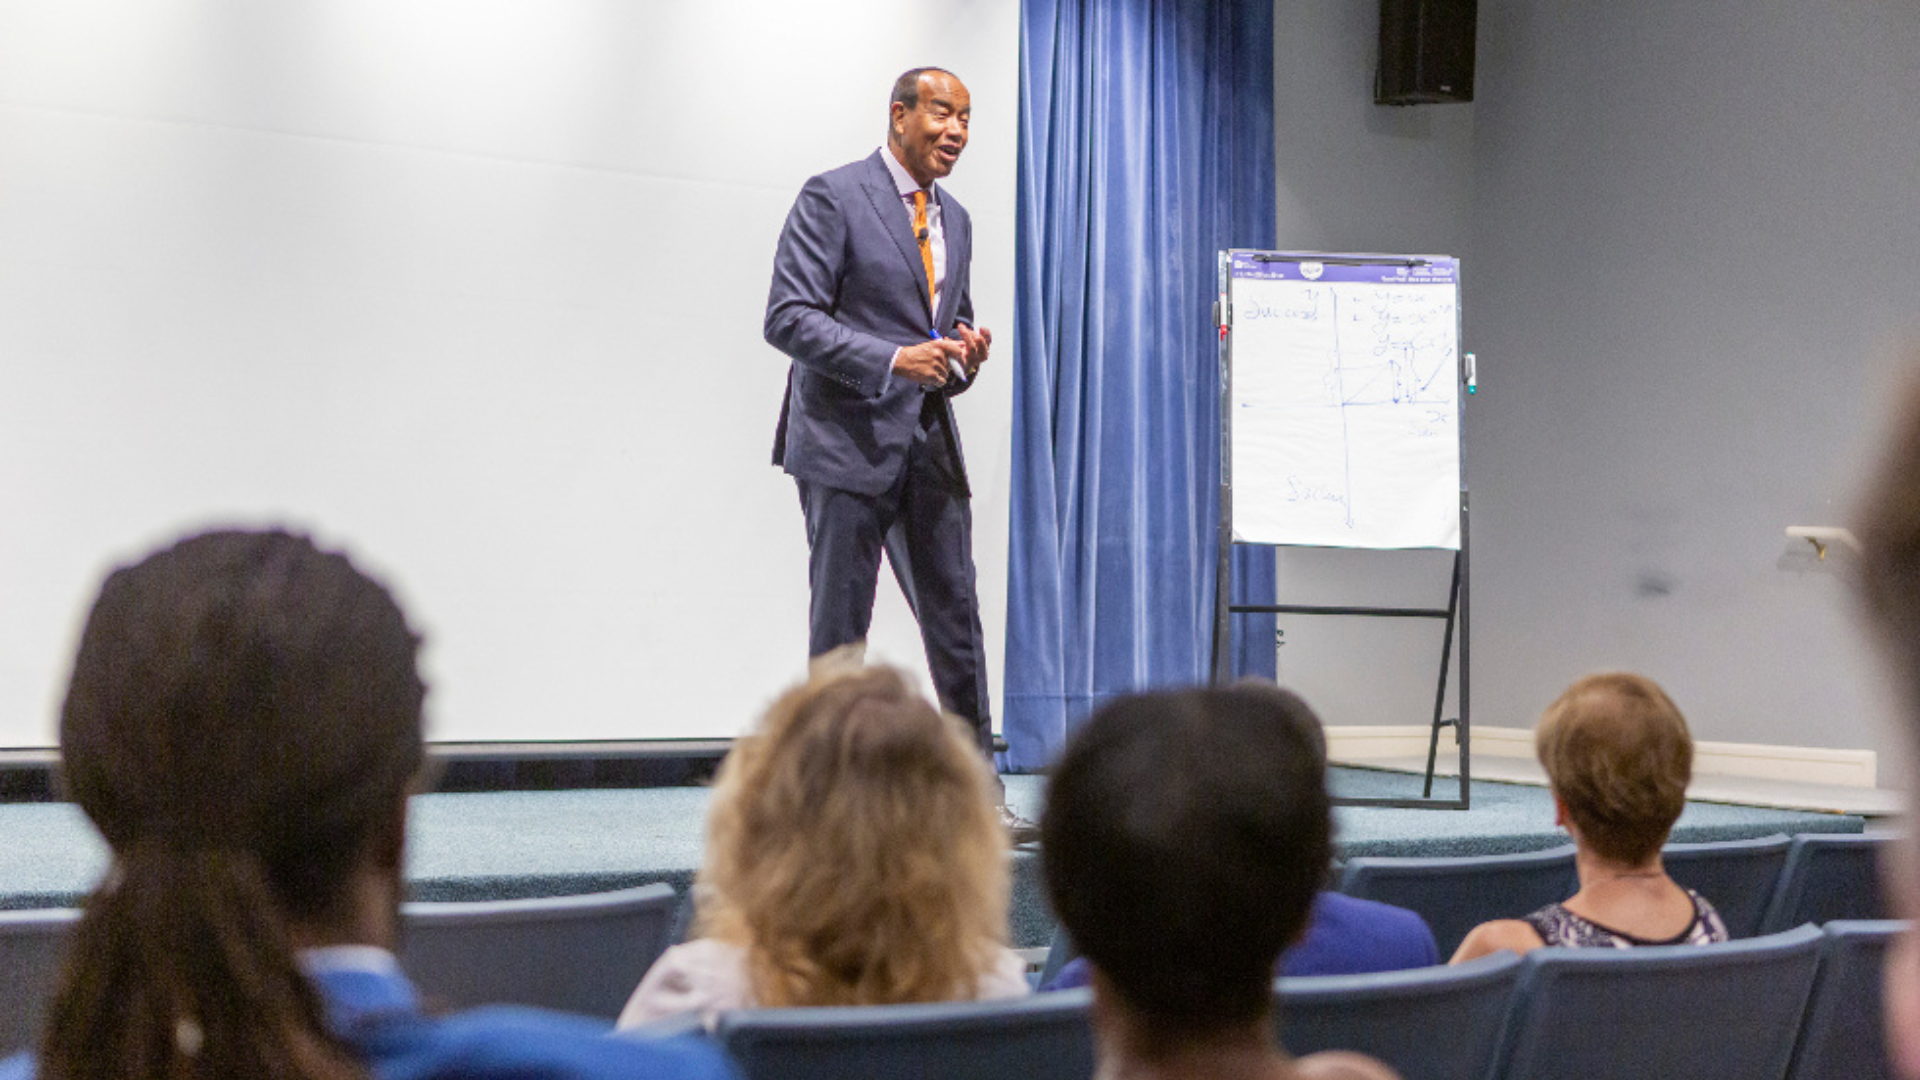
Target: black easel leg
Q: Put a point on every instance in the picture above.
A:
(1440, 695)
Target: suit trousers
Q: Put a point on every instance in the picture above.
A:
(924, 523)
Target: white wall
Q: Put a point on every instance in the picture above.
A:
(474, 289)
(1687, 231)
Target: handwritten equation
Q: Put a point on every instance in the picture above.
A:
(1345, 412)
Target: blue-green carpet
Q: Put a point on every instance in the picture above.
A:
(472, 846)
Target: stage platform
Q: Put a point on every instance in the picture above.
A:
(486, 845)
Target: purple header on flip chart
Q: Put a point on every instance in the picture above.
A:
(1378, 270)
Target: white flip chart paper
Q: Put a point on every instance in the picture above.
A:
(1344, 402)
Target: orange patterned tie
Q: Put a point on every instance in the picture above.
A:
(926, 243)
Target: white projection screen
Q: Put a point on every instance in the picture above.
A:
(474, 289)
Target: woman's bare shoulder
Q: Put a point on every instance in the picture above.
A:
(1513, 935)
(1342, 1065)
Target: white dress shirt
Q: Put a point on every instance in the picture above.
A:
(904, 183)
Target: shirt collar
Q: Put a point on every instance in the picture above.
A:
(361, 986)
(903, 181)
(367, 959)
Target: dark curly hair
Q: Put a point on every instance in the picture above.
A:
(243, 721)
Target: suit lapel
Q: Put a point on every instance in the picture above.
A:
(893, 216)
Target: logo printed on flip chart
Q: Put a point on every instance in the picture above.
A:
(1312, 270)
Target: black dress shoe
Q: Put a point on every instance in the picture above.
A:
(1019, 829)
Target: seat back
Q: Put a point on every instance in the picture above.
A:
(33, 945)
(1455, 894)
(581, 954)
(1729, 1010)
(1827, 876)
(1736, 876)
(1042, 1037)
(1436, 1023)
(1842, 1038)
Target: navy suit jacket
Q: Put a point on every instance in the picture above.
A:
(378, 1015)
(848, 289)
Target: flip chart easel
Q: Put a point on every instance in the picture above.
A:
(1340, 426)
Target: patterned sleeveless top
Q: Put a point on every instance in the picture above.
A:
(1558, 926)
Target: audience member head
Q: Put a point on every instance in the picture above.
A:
(1185, 837)
(1618, 757)
(853, 848)
(1888, 529)
(242, 725)
(1889, 534)
(1309, 720)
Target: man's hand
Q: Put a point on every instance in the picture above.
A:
(926, 363)
(977, 343)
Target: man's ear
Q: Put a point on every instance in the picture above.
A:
(389, 845)
(1110, 1013)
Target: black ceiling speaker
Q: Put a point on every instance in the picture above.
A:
(1426, 52)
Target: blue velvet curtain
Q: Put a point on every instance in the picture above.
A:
(1146, 146)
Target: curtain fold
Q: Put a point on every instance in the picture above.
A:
(1146, 146)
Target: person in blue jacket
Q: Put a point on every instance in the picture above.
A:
(1345, 936)
(243, 725)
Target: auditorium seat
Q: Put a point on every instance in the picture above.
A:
(1827, 876)
(1042, 1037)
(32, 944)
(1437, 1023)
(1455, 894)
(1736, 876)
(1697, 1011)
(581, 954)
(665, 1027)
(1842, 1038)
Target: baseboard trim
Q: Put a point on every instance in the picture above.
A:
(1359, 745)
(1356, 744)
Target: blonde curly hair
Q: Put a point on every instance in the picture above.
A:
(853, 849)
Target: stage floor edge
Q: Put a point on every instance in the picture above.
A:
(495, 845)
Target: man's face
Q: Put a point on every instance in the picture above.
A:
(930, 136)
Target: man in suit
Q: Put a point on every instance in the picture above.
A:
(870, 302)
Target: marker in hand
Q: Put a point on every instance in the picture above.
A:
(953, 365)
